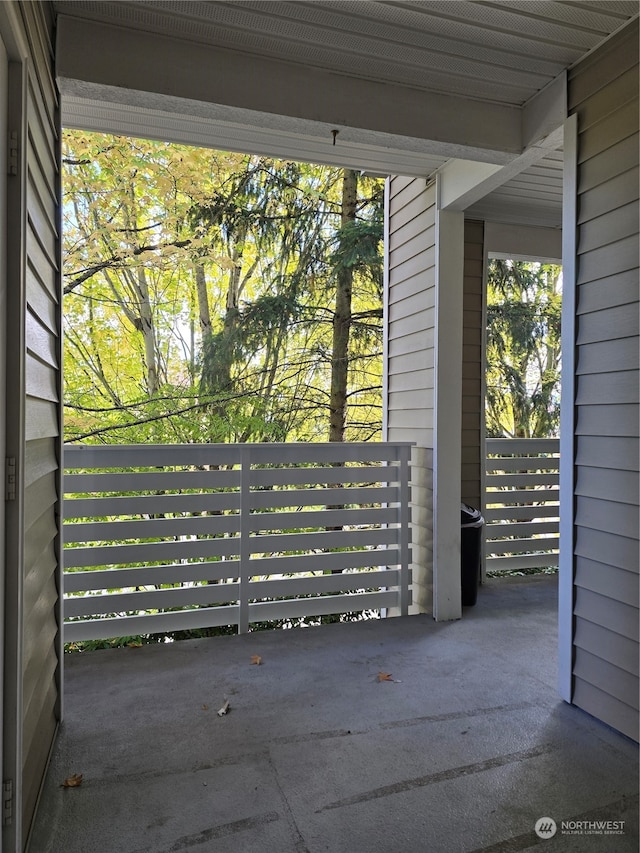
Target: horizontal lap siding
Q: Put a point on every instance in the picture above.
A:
(411, 308)
(603, 91)
(410, 376)
(42, 380)
(472, 362)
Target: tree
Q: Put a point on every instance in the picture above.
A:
(200, 295)
(342, 313)
(523, 349)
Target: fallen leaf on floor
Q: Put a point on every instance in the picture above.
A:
(386, 676)
(205, 707)
(225, 708)
(73, 781)
(256, 659)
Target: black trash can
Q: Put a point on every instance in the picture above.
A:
(471, 522)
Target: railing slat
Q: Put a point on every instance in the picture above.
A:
(152, 528)
(520, 496)
(150, 623)
(79, 581)
(519, 546)
(323, 583)
(322, 518)
(330, 562)
(523, 463)
(140, 481)
(524, 561)
(521, 528)
(113, 555)
(332, 476)
(149, 504)
(326, 539)
(518, 446)
(535, 478)
(515, 513)
(171, 455)
(157, 599)
(322, 605)
(349, 495)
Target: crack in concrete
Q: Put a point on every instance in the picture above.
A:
(299, 842)
(398, 724)
(222, 830)
(442, 776)
(458, 715)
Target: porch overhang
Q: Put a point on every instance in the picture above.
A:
(266, 101)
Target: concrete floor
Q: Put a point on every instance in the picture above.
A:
(463, 750)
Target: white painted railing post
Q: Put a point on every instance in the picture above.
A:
(245, 545)
(404, 519)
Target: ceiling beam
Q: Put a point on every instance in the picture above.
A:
(96, 108)
(462, 183)
(545, 113)
(133, 63)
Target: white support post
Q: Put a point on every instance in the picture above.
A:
(567, 412)
(447, 453)
(245, 545)
(385, 315)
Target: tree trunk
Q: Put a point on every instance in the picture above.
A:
(147, 330)
(342, 319)
(203, 302)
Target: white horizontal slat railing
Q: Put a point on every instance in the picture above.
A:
(521, 503)
(169, 538)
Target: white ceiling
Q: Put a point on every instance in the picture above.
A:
(502, 52)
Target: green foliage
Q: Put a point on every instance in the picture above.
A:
(199, 291)
(358, 247)
(523, 349)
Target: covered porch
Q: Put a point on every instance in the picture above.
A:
(464, 749)
(467, 743)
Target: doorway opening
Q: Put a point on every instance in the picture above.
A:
(224, 315)
(522, 416)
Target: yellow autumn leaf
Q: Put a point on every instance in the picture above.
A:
(256, 659)
(385, 676)
(73, 781)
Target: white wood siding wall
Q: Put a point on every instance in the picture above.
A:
(410, 363)
(472, 363)
(603, 92)
(34, 412)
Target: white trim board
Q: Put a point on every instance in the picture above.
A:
(522, 242)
